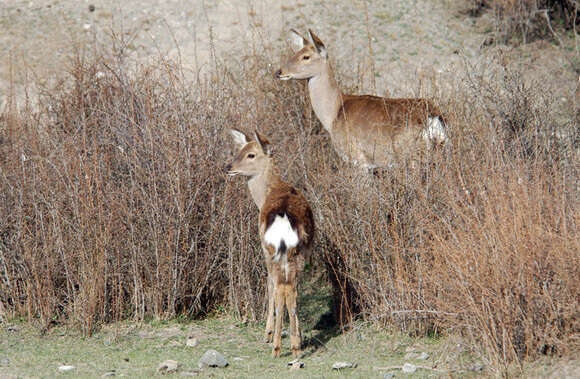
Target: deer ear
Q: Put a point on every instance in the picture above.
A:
(317, 42)
(297, 40)
(263, 142)
(240, 138)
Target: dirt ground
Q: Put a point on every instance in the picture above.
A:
(401, 41)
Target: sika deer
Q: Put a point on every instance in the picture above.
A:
(286, 232)
(368, 131)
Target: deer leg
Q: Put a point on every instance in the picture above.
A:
(295, 334)
(279, 290)
(270, 320)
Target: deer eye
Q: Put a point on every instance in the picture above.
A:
(306, 57)
(251, 156)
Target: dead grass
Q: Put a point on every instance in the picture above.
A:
(526, 20)
(114, 206)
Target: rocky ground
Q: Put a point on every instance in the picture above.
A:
(223, 347)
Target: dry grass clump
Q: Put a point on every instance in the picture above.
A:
(480, 237)
(526, 20)
(114, 206)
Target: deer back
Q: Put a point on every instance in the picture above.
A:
(284, 201)
(372, 130)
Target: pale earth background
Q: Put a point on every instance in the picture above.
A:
(412, 42)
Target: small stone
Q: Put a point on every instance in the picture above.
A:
(388, 375)
(4, 362)
(478, 367)
(212, 358)
(91, 8)
(191, 342)
(66, 368)
(296, 364)
(167, 367)
(423, 356)
(238, 359)
(341, 365)
(109, 373)
(409, 349)
(411, 355)
(409, 368)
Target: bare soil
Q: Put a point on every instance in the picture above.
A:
(384, 47)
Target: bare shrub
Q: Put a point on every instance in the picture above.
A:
(479, 238)
(526, 20)
(114, 206)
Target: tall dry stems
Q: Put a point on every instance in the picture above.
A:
(114, 206)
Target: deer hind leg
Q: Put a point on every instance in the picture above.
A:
(295, 333)
(280, 295)
(270, 320)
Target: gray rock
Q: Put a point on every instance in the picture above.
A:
(389, 375)
(409, 368)
(191, 342)
(341, 365)
(109, 373)
(167, 367)
(4, 362)
(66, 368)
(296, 364)
(212, 358)
(423, 356)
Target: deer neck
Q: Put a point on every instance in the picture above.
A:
(325, 97)
(260, 185)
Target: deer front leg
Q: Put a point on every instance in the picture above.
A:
(270, 320)
(295, 333)
(280, 299)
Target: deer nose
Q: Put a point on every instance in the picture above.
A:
(278, 73)
(228, 168)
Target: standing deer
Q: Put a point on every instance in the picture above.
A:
(286, 232)
(369, 131)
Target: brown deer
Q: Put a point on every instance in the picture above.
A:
(286, 232)
(369, 131)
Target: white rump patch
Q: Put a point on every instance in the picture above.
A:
(281, 231)
(436, 131)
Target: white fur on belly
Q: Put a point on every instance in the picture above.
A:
(281, 230)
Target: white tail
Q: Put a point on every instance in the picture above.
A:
(368, 131)
(286, 232)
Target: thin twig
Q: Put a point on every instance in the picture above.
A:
(424, 311)
(545, 13)
(574, 26)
